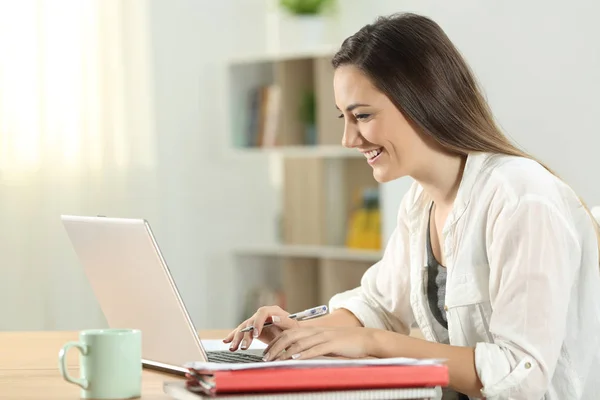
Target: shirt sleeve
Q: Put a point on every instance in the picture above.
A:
(534, 256)
(382, 300)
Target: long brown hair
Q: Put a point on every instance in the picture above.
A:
(410, 59)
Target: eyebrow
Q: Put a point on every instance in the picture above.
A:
(353, 106)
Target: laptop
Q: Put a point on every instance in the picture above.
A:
(134, 288)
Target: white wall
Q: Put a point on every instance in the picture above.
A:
(210, 202)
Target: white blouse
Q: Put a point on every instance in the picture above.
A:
(523, 283)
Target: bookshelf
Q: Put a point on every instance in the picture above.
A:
(269, 97)
(322, 151)
(283, 105)
(340, 253)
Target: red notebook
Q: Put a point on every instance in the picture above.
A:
(312, 379)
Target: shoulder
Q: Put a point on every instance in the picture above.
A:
(522, 190)
(495, 182)
(512, 179)
(503, 178)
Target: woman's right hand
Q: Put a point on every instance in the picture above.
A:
(265, 334)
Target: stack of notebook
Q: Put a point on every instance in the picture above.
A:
(394, 378)
(178, 391)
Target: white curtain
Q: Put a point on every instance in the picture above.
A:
(76, 137)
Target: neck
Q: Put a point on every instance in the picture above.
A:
(441, 178)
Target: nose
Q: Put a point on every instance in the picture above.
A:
(351, 138)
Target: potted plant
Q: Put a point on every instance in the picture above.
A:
(299, 25)
(306, 7)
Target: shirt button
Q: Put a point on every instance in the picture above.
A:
(445, 308)
(527, 365)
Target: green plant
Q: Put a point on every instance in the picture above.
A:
(308, 116)
(305, 7)
(308, 109)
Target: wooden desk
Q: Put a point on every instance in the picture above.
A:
(29, 367)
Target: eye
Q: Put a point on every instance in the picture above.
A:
(341, 116)
(362, 116)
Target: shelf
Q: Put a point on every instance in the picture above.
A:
(323, 252)
(322, 151)
(325, 51)
(271, 97)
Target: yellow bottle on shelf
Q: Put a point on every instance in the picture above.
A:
(364, 225)
(374, 230)
(357, 228)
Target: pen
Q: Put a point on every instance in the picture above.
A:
(306, 314)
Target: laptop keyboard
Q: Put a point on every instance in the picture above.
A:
(230, 357)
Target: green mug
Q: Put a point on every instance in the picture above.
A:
(110, 363)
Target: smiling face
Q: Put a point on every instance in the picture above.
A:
(374, 126)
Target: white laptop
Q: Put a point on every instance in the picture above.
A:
(134, 288)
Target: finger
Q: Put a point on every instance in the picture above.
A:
(267, 314)
(300, 346)
(285, 340)
(269, 333)
(258, 319)
(229, 336)
(285, 323)
(237, 336)
(235, 342)
(259, 324)
(247, 336)
(285, 335)
(315, 351)
(280, 325)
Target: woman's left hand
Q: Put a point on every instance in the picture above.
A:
(310, 342)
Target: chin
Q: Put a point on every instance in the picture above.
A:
(384, 175)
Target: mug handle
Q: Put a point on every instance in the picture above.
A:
(62, 363)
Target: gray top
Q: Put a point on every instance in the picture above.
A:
(436, 281)
(436, 296)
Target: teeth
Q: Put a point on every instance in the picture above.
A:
(372, 154)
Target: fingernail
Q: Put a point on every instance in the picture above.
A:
(243, 344)
(295, 356)
(275, 318)
(231, 346)
(255, 333)
(266, 357)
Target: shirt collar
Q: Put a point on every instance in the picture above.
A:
(473, 166)
(471, 173)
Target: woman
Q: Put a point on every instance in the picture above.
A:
(493, 257)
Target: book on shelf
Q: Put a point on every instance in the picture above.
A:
(264, 113)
